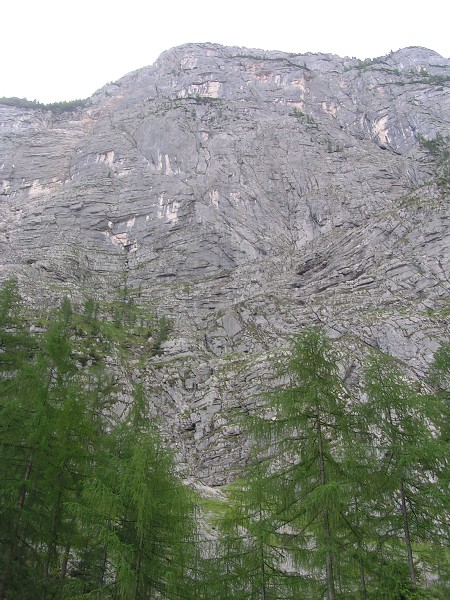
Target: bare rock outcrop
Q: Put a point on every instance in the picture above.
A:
(244, 194)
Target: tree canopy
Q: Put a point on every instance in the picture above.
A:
(344, 495)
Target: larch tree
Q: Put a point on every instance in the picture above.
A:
(407, 467)
(142, 514)
(49, 426)
(296, 491)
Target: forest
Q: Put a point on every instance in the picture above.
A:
(344, 494)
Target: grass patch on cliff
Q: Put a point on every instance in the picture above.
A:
(439, 151)
(130, 325)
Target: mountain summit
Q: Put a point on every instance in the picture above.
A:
(243, 194)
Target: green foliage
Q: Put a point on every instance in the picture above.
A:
(303, 117)
(64, 106)
(141, 513)
(90, 506)
(439, 150)
(295, 491)
(51, 420)
(333, 148)
(440, 370)
(406, 463)
(162, 331)
(250, 556)
(14, 341)
(121, 324)
(368, 62)
(437, 147)
(426, 77)
(340, 499)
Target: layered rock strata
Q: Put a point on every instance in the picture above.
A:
(244, 194)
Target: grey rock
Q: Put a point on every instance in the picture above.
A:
(245, 195)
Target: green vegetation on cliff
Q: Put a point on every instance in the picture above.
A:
(343, 497)
(63, 106)
(90, 505)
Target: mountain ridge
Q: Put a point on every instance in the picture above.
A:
(245, 197)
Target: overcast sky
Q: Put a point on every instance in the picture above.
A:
(52, 50)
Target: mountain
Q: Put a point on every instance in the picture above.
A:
(245, 195)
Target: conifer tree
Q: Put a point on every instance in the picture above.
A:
(407, 463)
(439, 378)
(90, 505)
(296, 488)
(440, 370)
(14, 341)
(250, 559)
(14, 348)
(49, 426)
(142, 514)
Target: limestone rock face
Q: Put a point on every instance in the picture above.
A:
(244, 194)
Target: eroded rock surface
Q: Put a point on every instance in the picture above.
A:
(244, 194)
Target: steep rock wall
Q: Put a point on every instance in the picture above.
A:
(245, 194)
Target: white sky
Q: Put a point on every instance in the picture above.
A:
(53, 50)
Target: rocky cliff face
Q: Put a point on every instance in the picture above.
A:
(245, 194)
